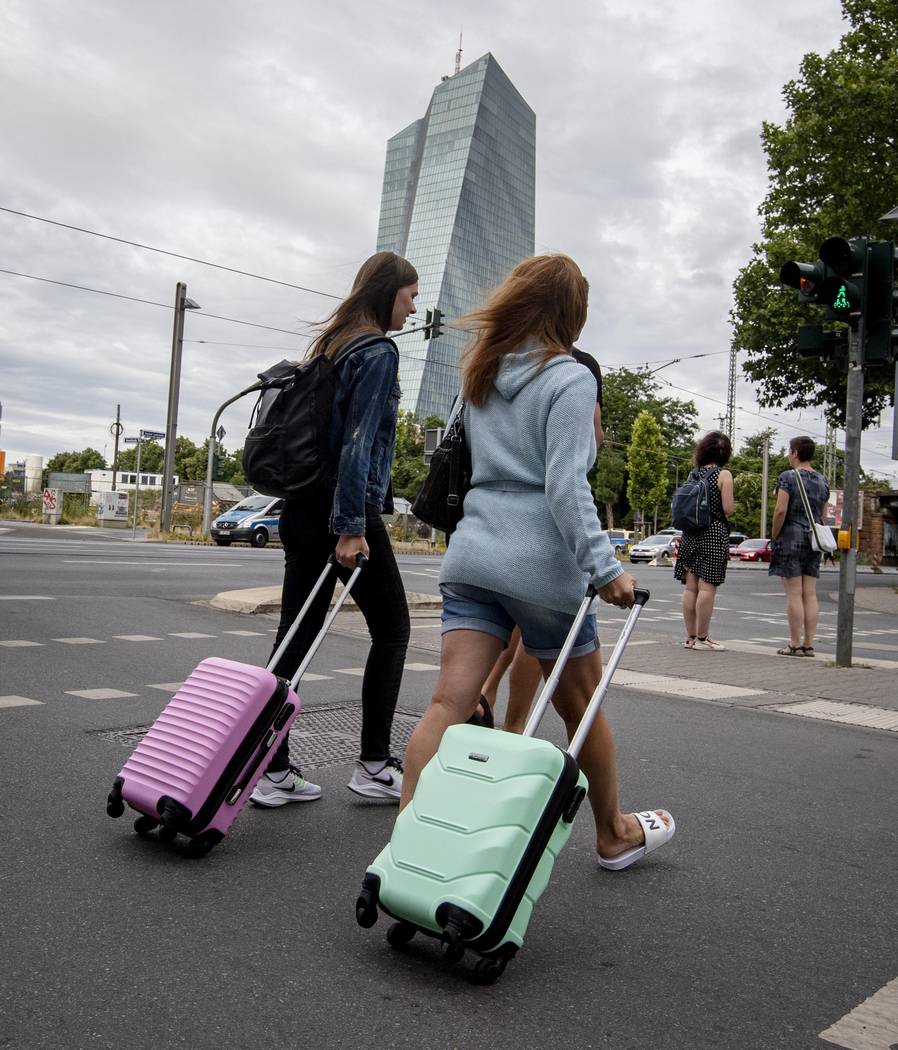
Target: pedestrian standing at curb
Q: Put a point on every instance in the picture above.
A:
(524, 673)
(702, 557)
(791, 556)
(343, 518)
(530, 541)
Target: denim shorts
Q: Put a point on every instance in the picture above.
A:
(543, 631)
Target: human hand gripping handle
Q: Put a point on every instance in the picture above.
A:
(621, 592)
(349, 549)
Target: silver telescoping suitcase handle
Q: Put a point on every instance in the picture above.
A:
(360, 562)
(640, 596)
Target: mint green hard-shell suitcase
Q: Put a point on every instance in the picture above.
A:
(470, 856)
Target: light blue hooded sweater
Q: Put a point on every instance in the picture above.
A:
(530, 528)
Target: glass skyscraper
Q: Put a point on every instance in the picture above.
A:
(458, 202)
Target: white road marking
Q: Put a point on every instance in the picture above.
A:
(99, 694)
(19, 644)
(424, 626)
(189, 634)
(422, 667)
(17, 701)
(148, 562)
(309, 677)
(846, 714)
(247, 634)
(871, 1026)
(357, 671)
(80, 641)
(137, 638)
(5, 530)
(167, 687)
(27, 598)
(656, 683)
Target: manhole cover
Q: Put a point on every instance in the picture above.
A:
(322, 736)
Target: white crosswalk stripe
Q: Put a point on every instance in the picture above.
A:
(99, 694)
(19, 644)
(18, 701)
(80, 641)
(137, 638)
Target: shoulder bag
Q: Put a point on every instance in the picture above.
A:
(440, 503)
(821, 536)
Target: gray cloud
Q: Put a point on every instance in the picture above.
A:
(254, 136)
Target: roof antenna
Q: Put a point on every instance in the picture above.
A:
(458, 55)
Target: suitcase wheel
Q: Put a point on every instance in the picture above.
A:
(453, 948)
(167, 834)
(114, 805)
(144, 825)
(488, 971)
(366, 909)
(200, 846)
(400, 933)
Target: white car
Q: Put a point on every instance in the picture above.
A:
(653, 547)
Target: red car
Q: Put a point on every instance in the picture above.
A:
(754, 550)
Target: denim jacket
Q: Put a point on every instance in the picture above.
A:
(363, 434)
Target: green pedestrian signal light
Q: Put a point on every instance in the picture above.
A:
(841, 302)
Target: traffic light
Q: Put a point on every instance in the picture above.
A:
(853, 279)
(843, 297)
(879, 307)
(433, 323)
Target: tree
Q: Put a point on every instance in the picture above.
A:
(76, 462)
(646, 464)
(409, 468)
(151, 457)
(607, 479)
(832, 171)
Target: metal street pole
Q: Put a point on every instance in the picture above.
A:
(848, 562)
(207, 495)
(764, 482)
(182, 303)
(137, 484)
(895, 418)
(117, 429)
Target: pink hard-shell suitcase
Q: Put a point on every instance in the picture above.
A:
(198, 764)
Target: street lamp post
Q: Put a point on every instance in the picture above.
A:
(182, 303)
(207, 495)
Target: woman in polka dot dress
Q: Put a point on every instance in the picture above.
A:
(702, 557)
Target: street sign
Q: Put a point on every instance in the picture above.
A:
(130, 441)
(220, 433)
(152, 435)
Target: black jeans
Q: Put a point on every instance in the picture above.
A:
(379, 594)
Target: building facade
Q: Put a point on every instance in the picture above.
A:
(458, 201)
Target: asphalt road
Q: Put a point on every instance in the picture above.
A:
(770, 916)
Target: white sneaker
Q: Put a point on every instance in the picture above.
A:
(709, 643)
(277, 789)
(377, 779)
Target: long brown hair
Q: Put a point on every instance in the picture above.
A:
(544, 298)
(369, 306)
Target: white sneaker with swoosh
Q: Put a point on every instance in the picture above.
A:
(377, 779)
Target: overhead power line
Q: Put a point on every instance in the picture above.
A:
(174, 255)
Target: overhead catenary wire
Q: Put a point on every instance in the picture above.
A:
(174, 255)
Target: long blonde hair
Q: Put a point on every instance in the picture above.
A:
(369, 306)
(544, 298)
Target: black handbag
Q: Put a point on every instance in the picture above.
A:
(440, 503)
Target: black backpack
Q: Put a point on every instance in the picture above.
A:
(691, 504)
(287, 448)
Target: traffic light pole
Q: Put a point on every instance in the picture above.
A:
(207, 494)
(848, 563)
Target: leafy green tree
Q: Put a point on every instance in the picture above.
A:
(409, 469)
(832, 172)
(76, 462)
(151, 457)
(646, 464)
(607, 478)
(185, 450)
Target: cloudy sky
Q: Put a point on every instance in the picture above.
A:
(253, 136)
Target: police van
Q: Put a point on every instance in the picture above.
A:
(253, 520)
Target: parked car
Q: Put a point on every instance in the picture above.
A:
(736, 539)
(754, 550)
(620, 539)
(656, 546)
(253, 520)
(669, 532)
